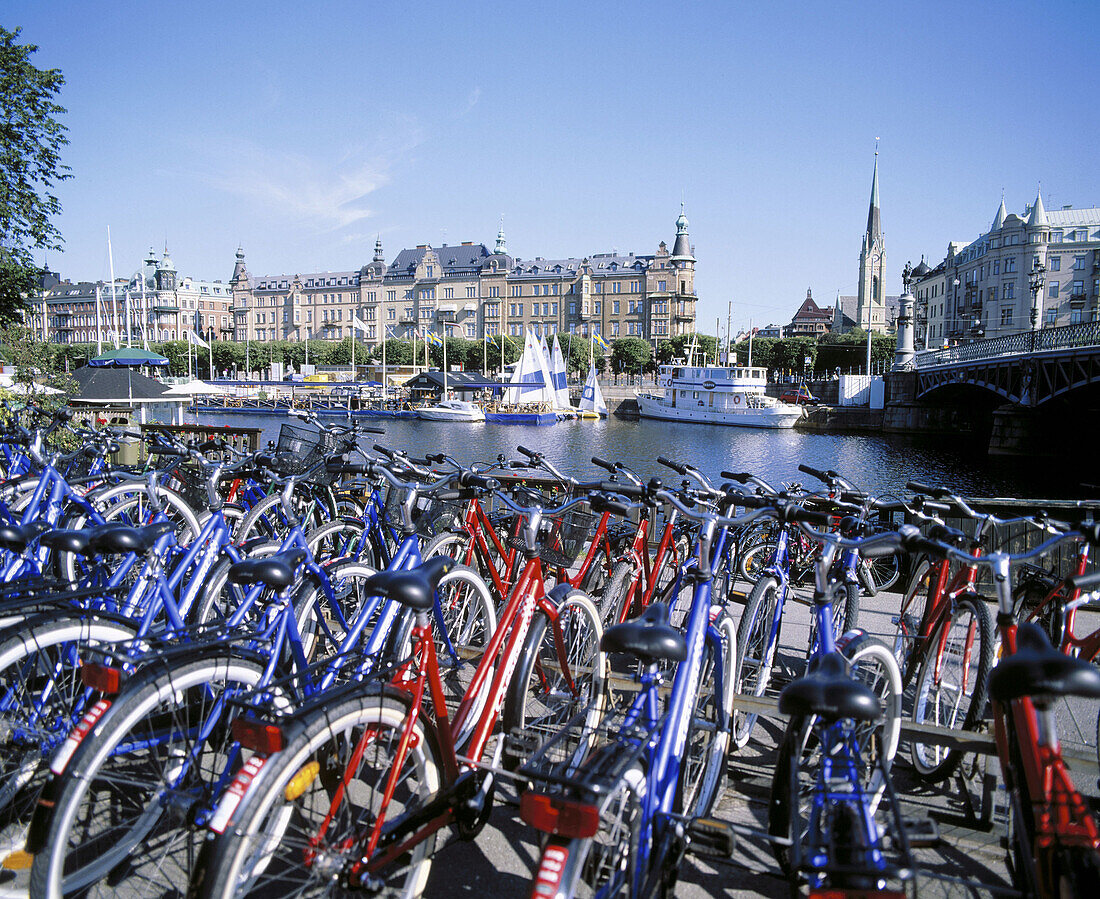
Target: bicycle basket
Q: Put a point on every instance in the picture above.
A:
(432, 516)
(567, 538)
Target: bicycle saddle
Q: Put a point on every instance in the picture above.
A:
(649, 637)
(274, 571)
(1039, 670)
(829, 690)
(415, 588)
(74, 540)
(127, 539)
(15, 537)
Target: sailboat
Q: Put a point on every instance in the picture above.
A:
(531, 388)
(561, 382)
(592, 401)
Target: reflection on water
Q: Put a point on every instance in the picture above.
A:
(876, 463)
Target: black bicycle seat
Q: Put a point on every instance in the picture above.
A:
(414, 589)
(829, 690)
(128, 540)
(15, 537)
(274, 571)
(72, 540)
(1039, 670)
(649, 637)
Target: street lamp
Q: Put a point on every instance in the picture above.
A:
(956, 283)
(1035, 282)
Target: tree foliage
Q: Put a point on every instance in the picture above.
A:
(631, 355)
(31, 138)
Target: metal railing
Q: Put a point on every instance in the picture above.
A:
(1084, 334)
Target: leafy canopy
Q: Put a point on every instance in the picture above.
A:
(31, 138)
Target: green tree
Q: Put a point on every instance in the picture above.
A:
(630, 355)
(763, 352)
(31, 139)
(398, 352)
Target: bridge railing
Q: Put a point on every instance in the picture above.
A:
(1083, 334)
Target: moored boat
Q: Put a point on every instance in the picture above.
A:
(451, 410)
(720, 395)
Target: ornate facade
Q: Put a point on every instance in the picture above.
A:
(471, 291)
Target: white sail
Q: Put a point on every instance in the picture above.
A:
(531, 382)
(592, 397)
(557, 370)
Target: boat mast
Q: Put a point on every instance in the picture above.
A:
(114, 296)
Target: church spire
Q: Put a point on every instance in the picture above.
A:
(1002, 214)
(874, 216)
(502, 243)
(681, 249)
(378, 257)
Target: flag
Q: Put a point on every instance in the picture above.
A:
(489, 340)
(434, 339)
(194, 338)
(601, 343)
(355, 323)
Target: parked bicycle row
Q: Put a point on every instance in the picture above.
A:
(297, 671)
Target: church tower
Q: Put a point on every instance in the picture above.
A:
(871, 305)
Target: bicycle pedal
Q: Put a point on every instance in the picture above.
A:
(18, 861)
(520, 745)
(922, 833)
(706, 836)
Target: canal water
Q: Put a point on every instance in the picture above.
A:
(876, 463)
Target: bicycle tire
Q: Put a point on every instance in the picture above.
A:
(935, 763)
(785, 810)
(41, 695)
(911, 616)
(539, 699)
(268, 520)
(269, 835)
(112, 800)
(753, 668)
(703, 763)
(884, 571)
(874, 664)
(755, 560)
(617, 594)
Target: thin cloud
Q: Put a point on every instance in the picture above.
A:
(324, 196)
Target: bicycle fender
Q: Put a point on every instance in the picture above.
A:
(559, 593)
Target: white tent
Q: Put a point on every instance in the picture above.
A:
(194, 388)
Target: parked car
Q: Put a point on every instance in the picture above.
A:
(799, 395)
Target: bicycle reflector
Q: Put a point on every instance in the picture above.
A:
(257, 736)
(556, 815)
(102, 678)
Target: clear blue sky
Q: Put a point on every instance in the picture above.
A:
(301, 131)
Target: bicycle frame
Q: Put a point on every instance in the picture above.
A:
(945, 590)
(1085, 647)
(647, 572)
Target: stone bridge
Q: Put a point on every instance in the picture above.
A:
(1027, 369)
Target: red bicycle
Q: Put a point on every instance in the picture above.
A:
(1054, 841)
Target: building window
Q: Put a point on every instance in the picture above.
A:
(448, 293)
(1054, 263)
(996, 266)
(1076, 316)
(662, 286)
(514, 290)
(1010, 265)
(1052, 290)
(1006, 316)
(1052, 317)
(1078, 263)
(597, 305)
(471, 292)
(1055, 236)
(494, 292)
(1078, 289)
(572, 309)
(1008, 290)
(471, 330)
(616, 287)
(391, 295)
(614, 307)
(429, 271)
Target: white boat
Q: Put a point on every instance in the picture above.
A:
(717, 395)
(451, 410)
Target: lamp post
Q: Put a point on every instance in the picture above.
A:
(1035, 282)
(956, 284)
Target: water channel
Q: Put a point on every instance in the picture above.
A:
(877, 463)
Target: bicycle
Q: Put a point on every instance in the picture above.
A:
(1054, 839)
(357, 792)
(833, 767)
(618, 816)
(944, 640)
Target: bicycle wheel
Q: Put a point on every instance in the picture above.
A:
(845, 615)
(703, 764)
(604, 864)
(754, 657)
(296, 833)
(754, 560)
(268, 519)
(618, 594)
(911, 615)
(344, 538)
(792, 785)
(129, 504)
(42, 697)
(951, 683)
(872, 663)
(560, 672)
(884, 571)
(128, 794)
(1027, 598)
